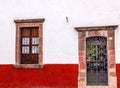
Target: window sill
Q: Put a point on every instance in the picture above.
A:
(29, 66)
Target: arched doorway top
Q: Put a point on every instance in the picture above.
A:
(105, 31)
(96, 40)
(96, 36)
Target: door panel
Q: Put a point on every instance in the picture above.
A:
(25, 32)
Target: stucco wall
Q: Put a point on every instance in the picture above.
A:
(60, 40)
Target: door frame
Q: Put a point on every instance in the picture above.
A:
(104, 31)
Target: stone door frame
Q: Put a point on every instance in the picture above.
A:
(103, 31)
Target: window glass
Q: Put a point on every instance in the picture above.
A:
(25, 49)
(25, 41)
(34, 40)
(34, 49)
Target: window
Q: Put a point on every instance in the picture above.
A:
(29, 45)
(29, 41)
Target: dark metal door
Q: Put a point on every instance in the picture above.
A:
(96, 61)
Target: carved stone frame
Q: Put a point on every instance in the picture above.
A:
(28, 23)
(105, 31)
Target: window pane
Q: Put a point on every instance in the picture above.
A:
(34, 49)
(25, 49)
(34, 40)
(25, 41)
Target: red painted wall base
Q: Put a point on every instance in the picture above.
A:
(51, 76)
(118, 74)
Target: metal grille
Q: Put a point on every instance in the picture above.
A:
(29, 45)
(96, 60)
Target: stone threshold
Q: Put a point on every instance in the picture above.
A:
(29, 66)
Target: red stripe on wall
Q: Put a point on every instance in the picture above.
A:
(51, 76)
(118, 74)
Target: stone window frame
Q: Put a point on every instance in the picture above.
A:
(28, 23)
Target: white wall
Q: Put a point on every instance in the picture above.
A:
(60, 40)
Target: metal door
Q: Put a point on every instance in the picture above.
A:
(96, 61)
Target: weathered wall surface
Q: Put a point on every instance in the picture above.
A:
(60, 40)
(60, 75)
(50, 76)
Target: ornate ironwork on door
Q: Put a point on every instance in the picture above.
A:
(96, 60)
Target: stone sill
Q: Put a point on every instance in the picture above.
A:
(29, 66)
